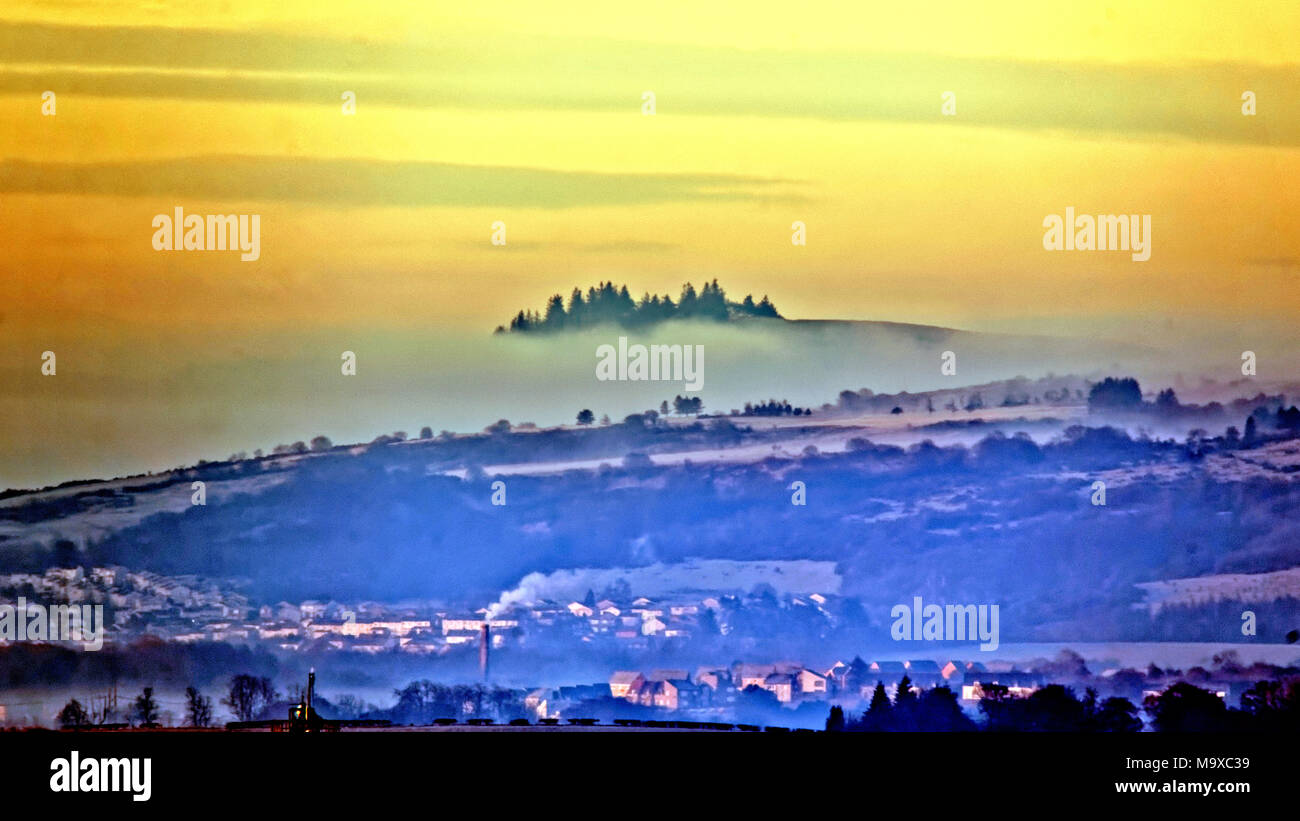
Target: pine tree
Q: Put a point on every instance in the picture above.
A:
(879, 714)
(835, 721)
(904, 696)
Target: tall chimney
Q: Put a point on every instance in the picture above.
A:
(311, 689)
(484, 645)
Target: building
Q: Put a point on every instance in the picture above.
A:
(676, 694)
(751, 675)
(924, 672)
(624, 682)
(780, 685)
(809, 683)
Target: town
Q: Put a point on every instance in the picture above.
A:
(190, 611)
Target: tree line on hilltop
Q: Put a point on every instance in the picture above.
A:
(609, 304)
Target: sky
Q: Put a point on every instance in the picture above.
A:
(377, 226)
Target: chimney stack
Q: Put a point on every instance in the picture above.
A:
(484, 645)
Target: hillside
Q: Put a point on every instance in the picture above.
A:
(992, 505)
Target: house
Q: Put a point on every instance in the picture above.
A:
(952, 670)
(751, 675)
(641, 692)
(580, 610)
(399, 628)
(780, 685)
(712, 677)
(923, 672)
(460, 636)
(461, 624)
(809, 683)
(622, 683)
(652, 627)
(676, 694)
(276, 630)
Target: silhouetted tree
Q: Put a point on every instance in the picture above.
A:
(938, 711)
(1115, 394)
(1274, 706)
(835, 721)
(248, 696)
(73, 715)
(1187, 708)
(198, 708)
(145, 709)
(1117, 715)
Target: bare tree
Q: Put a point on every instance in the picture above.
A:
(248, 696)
(198, 708)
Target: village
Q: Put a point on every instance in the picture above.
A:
(190, 610)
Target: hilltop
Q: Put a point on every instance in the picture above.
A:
(606, 303)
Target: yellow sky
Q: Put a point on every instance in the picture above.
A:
(826, 113)
(379, 224)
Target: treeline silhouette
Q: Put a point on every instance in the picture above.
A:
(609, 304)
(774, 407)
(1268, 706)
(424, 702)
